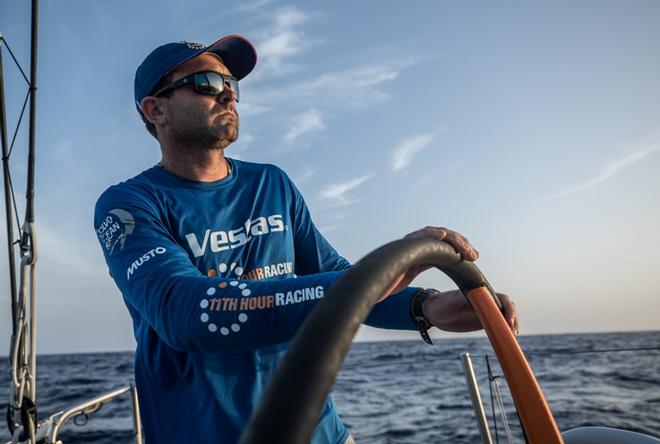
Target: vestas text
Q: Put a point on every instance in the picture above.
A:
(224, 240)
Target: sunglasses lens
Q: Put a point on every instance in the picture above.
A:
(208, 83)
(212, 83)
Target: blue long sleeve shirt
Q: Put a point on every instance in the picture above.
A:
(217, 277)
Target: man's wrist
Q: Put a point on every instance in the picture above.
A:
(417, 312)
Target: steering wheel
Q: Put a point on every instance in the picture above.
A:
(291, 405)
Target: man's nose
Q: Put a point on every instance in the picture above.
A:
(228, 95)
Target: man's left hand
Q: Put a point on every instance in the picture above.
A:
(460, 243)
(454, 238)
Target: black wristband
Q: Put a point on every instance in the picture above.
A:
(417, 314)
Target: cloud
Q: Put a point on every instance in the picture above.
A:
(610, 170)
(249, 7)
(304, 176)
(306, 122)
(404, 153)
(354, 88)
(361, 79)
(336, 193)
(282, 40)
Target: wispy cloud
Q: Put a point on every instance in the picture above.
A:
(610, 170)
(367, 85)
(336, 193)
(249, 7)
(282, 40)
(404, 153)
(424, 181)
(421, 184)
(307, 122)
(304, 176)
(361, 87)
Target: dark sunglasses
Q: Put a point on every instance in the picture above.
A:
(210, 83)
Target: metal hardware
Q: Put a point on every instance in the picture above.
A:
(475, 397)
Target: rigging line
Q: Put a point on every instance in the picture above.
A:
(18, 65)
(494, 387)
(13, 198)
(500, 405)
(18, 124)
(492, 400)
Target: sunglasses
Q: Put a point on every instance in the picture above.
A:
(210, 83)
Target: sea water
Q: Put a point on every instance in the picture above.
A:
(408, 391)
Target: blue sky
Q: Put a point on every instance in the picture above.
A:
(533, 128)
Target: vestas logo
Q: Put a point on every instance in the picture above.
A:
(224, 240)
(114, 229)
(142, 259)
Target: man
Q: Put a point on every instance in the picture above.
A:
(218, 260)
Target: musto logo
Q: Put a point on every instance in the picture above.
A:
(224, 240)
(114, 229)
(247, 302)
(143, 259)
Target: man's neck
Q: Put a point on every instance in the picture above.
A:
(199, 166)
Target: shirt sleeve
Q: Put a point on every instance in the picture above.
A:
(189, 311)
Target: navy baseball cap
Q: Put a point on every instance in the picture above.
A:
(236, 52)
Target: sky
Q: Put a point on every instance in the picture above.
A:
(533, 128)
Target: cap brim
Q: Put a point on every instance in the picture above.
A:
(237, 53)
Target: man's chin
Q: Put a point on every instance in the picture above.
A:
(230, 136)
(226, 138)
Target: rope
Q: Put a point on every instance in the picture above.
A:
(495, 387)
(18, 65)
(492, 400)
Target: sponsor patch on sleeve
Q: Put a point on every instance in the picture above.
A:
(117, 225)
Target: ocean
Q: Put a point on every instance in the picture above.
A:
(408, 391)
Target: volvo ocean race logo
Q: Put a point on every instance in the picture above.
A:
(114, 229)
(193, 45)
(222, 240)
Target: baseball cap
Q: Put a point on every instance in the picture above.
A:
(236, 52)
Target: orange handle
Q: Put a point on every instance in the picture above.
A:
(535, 415)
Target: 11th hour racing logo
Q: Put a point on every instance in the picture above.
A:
(222, 240)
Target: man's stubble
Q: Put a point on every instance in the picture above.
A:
(194, 131)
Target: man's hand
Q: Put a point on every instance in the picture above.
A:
(451, 311)
(455, 239)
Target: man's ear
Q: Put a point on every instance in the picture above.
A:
(153, 110)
